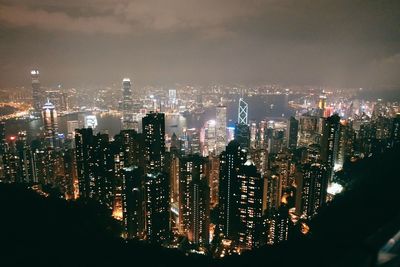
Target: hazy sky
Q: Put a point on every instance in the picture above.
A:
(76, 42)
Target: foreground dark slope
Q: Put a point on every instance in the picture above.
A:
(45, 231)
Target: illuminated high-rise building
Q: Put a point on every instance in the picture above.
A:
(153, 125)
(395, 133)
(277, 224)
(190, 169)
(71, 127)
(3, 142)
(49, 115)
(231, 163)
(199, 208)
(312, 188)
(157, 212)
(292, 133)
(210, 137)
(132, 202)
(250, 206)
(3, 146)
(253, 135)
(243, 112)
(322, 103)
(242, 135)
(346, 144)
(221, 129)
(214, 180)
(84, 161)
(24, 153)
(127, 105)
(272, 192)
(36, 91)
(95, 166)
(330, 142)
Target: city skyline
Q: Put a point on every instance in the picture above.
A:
(200, 133)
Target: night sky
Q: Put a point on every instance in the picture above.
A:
(160, 42)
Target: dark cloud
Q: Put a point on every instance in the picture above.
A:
(353, 43)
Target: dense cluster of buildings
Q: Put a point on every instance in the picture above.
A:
(261, 180)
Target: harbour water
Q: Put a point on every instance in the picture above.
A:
(265, 107)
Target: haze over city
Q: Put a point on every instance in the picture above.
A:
(313, 42)
(200, 133)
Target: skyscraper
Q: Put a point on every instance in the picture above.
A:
(84, 161)
(132, 202)
(221, 129)
(190, 169)
(157, 207)
(330, 142)
(153, 125)
(49, 115)
(395, 134)
(313, 188)
(127, 105)
(243, 112)
(242, 135)
(292, 132)
(250, 206)
(277, 225)
(231, 162)
(36, 93)
(3, 142)
(199, 206)
(210, 137)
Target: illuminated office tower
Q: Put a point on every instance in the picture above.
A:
(49, 115)
(312, 188)
(243, 112)
(10, 162)
(253, 135)
(172, 98)
(127, 105)
(346, 144)
(231, 162)
(3, 146)
(250, 206)
(308, 131)
(190, 169)
(36, 93)
(192, 137)
(132, 202)
(214, 180)
(157, 210)
(103, 169)
(199, 207)
(84, 140)
(242, 135)
(330, 142)
(395, 133)
(24, 153)
(221, 129)
(210, 137)
(231, 134)
(292, 133)
(153, 125)
(322, 105)
(272, 192)
(128, 151)
(71, 127)
(277, 224)
(3, 142)
(70, 173)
